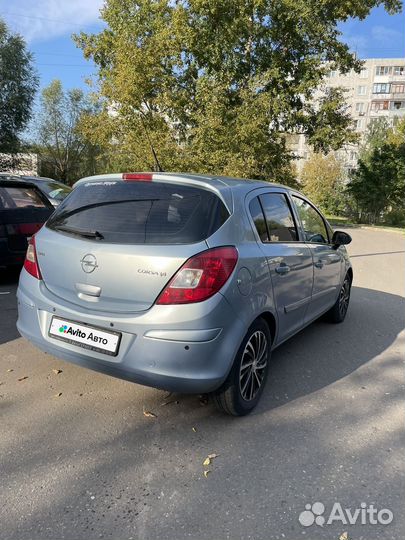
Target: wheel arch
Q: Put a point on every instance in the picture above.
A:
(270, 319)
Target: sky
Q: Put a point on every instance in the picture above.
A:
(47, 26)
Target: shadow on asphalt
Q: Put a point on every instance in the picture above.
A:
(332, 351)
(161, 453)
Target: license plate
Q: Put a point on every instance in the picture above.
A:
(85, 335)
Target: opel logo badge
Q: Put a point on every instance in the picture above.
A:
(89, 263)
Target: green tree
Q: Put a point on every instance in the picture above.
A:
(378, 184)
(322, 181)
(64, 152)
(216, 85)
(18, 84)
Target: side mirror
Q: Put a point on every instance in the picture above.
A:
(341, 238)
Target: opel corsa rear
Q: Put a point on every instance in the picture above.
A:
(181, 282)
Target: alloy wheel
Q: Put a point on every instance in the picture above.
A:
(344, 297)
(253, 365)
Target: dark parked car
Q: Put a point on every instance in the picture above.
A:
(54, 190)
(23, 211)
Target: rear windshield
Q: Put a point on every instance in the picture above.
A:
(20, 197)
(140, 213)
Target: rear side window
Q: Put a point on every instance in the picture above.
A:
(256, 212)
(279, 219)
(20, 197)
(140, 212)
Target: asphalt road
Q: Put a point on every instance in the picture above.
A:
(80, 460)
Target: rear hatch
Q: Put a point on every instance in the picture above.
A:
(113, 245)
(23, 211)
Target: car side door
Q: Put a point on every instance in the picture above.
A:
(289, 259)
(327, 261)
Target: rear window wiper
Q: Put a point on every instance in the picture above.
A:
(85, 234)
(65, 214)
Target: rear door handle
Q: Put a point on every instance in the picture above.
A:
(282, 269)
(319, 264)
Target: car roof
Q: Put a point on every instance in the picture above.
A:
(40, 179)
(6, 176)
(18, 183)
(214, 180)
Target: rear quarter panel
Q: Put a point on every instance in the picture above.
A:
(249, 291)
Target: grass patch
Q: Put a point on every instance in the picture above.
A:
(345, 222)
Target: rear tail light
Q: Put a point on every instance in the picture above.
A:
(31, 261)
(141, 177)
(200, 277)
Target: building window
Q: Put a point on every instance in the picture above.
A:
(353, 155)
(398, 88)
(396, 105)
(383, 70)
(399, 70)
(361, 90)
(379, 106)
(360, 107)
(359, 123)
(332, 74)
(364, 73)
(381, 88)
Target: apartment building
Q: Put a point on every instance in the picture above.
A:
(377, 91)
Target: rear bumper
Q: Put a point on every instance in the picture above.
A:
(177, 348)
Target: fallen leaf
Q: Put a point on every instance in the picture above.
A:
(344, 536)
(204, 401)
(58, 394)
(194, 429)
(206, 473)
(57, 371)
(23, 378)
(10, 370)
(149, 414)
(209, 458)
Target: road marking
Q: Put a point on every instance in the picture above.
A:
(7, 292)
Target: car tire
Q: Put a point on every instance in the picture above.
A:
(338, 312)
(244, 385)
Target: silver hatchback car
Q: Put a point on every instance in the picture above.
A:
(181, 282)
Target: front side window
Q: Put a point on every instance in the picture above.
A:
(315, 230)
(279, 219)
(55, 190)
